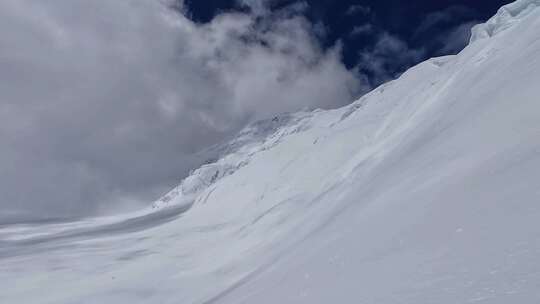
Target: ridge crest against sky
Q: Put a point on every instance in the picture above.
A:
(380, 39)
(425, 190)
(104, 104)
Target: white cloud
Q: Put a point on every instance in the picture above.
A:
(446, 16)
(365, 29)
(258, 7)
(103, 103)
(358, 9)
(456, 39)
(388, 57)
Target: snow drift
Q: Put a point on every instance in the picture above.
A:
(423, 191)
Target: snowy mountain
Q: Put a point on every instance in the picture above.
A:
(425, 190)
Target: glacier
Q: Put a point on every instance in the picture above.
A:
(425, 190)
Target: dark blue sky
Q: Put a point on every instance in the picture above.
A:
(381, 38)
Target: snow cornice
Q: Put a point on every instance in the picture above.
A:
(505, 18)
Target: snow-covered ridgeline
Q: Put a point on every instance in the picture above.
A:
(507, 16)
(423, 191)
(233, 155)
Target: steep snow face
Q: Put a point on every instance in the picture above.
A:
(233, 155)
(423, 191)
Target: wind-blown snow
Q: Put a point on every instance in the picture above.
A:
(423, 191)
(505, 18)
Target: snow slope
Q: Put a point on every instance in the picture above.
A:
(426, 190)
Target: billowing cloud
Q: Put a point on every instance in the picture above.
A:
(387, 58)
(447, 30)
(358, 10)
(450, 15)
(104, 103)
(364, 29)
(456, 38)
(258, 7)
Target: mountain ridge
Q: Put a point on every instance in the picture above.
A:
(259, 132)
(422, 191)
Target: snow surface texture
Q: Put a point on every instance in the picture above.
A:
(426, 190)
